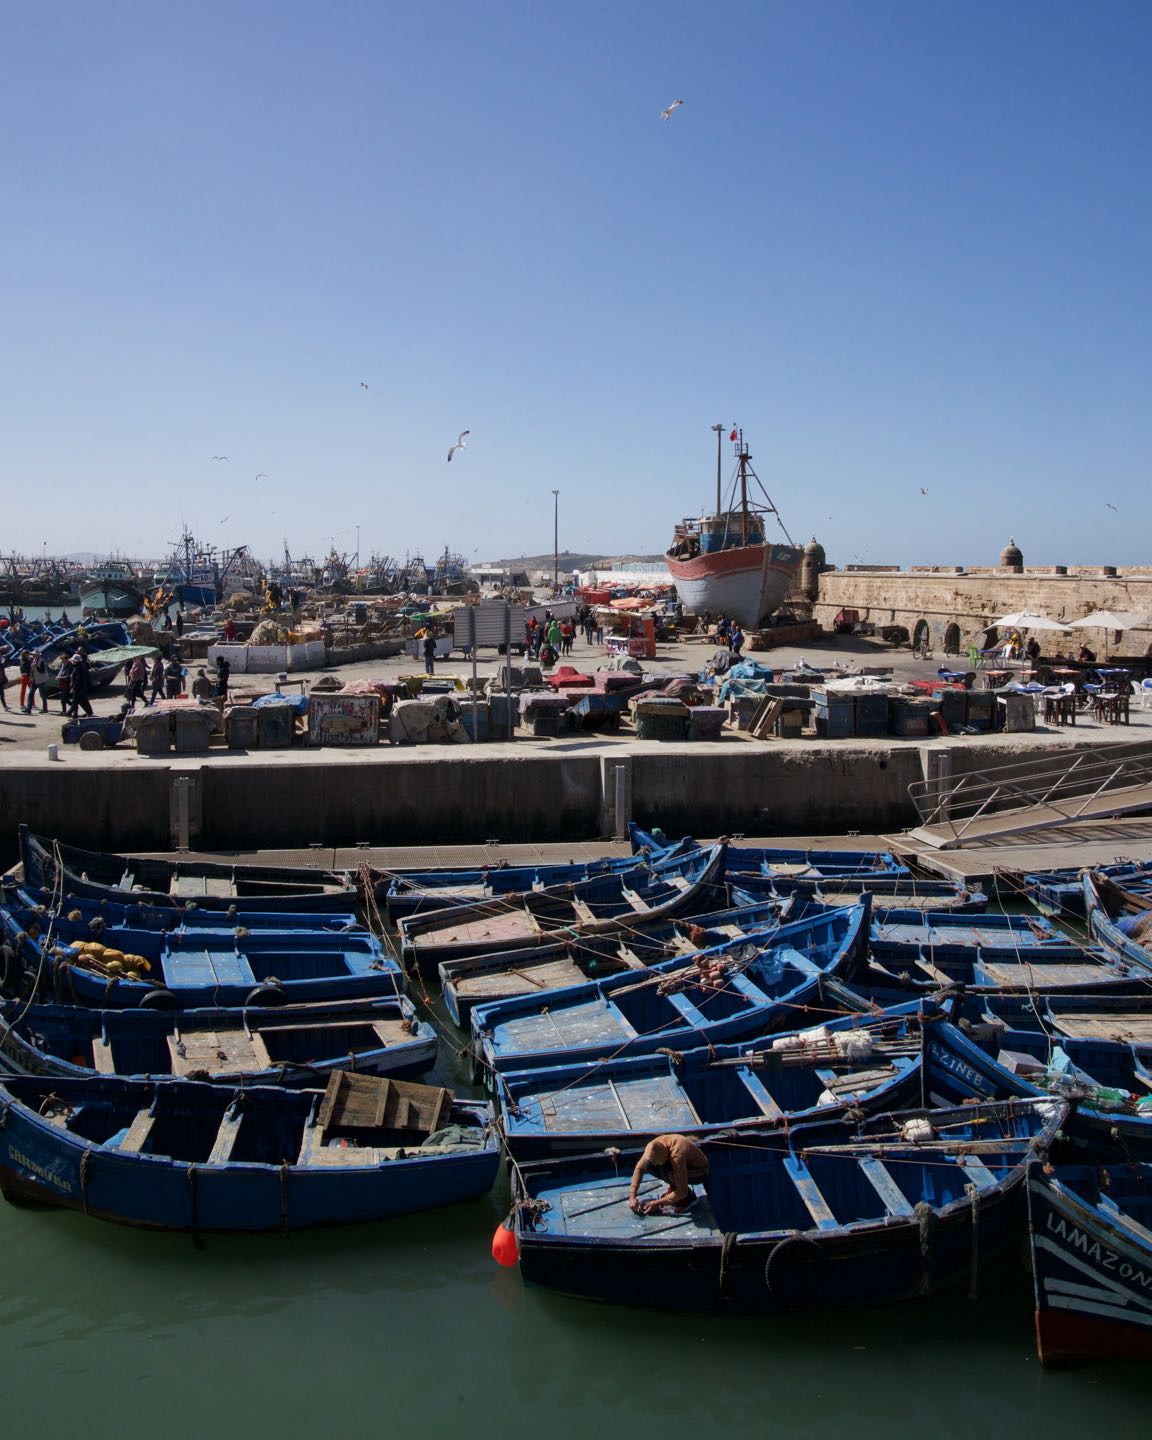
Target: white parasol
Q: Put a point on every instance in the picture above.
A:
(1111, 620)
(1026, 620)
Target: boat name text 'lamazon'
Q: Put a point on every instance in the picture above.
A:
(1077, 1239)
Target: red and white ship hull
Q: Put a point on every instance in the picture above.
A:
(744, 584)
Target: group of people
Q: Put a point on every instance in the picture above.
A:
(728, 633)
(163, 679)
(73, 679)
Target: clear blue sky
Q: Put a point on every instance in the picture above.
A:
(904, 243)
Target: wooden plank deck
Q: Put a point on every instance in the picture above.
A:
(592, 1024)
(1128, 1029)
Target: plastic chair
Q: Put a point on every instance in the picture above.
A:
(1143, 690)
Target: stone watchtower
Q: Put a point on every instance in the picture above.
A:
(1011, 558)
(815, 561)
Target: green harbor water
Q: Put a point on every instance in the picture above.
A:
(410, 1328)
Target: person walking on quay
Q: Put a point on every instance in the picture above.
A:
(736, 639)
(429, 653)
(173, 677)
(137, 681)
(180, 621)
(567, 635)
(81, 683)
(554, 636)
(3, 685)
(64, 681)
(25, 678)
(157, 679)
(223, 671)
(41, 675)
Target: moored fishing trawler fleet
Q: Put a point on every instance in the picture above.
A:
(725, 1078)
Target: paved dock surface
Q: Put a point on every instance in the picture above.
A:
(1098, 843)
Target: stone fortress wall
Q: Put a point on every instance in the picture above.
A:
(956, 603)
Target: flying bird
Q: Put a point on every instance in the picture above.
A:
(664, 114)
(262, 476)
(923, 491)
(363, 386)
(224, 521)
(220, 457)
(1111, 506)
(459, 445)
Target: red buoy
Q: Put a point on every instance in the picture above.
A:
(505, 1246)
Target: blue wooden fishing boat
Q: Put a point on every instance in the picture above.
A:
(827, 1216)
(193, 968)
(888, 891)
(1108, 1121)
(128, 914)
(898, 934)
(1061, 892)
(66, 871)
(899, 967)
(750, 986)
(1121, 921)
(297, 1045)
(181, 1155)
(603, 905)
(868, 1062)
(484, 979)
(411, 892)
(1090, 1229)
(767, 860)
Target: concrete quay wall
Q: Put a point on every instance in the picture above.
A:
(972, 599)
(458, 798)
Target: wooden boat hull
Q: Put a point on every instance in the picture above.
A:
(582, 1109)
(207, 969)
(783, 976)
(1091, 1265)
(42, 1162)
(484, 979)
(68, 870)
(745, 583)
(517, 922)
(297, 1046)
(578, 1236)
(1102, 923)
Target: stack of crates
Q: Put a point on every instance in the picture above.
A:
(705, 722)
(981, 710)
(835, 714)
(660, 718)
(871, 715)
(548, 715)
(276, 726)
(911, 718)
(952, 702)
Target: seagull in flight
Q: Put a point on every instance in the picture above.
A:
(1111, 506)
(664, 114)
(923, 491)
(220, 457)
(224, 521)
(363, 386)
(262, 476)
(459, 445)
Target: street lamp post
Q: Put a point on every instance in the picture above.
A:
(556, 539)
(718, 430)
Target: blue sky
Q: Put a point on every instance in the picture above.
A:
(904, 243)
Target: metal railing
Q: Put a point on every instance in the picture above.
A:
(1066, 786)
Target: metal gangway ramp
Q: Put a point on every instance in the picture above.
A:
(1057, 788)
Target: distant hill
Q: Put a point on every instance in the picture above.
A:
(574, 560)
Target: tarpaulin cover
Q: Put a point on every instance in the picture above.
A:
(299, 703)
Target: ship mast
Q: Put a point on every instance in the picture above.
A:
(743, 457)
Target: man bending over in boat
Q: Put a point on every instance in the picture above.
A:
(680, 1163)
